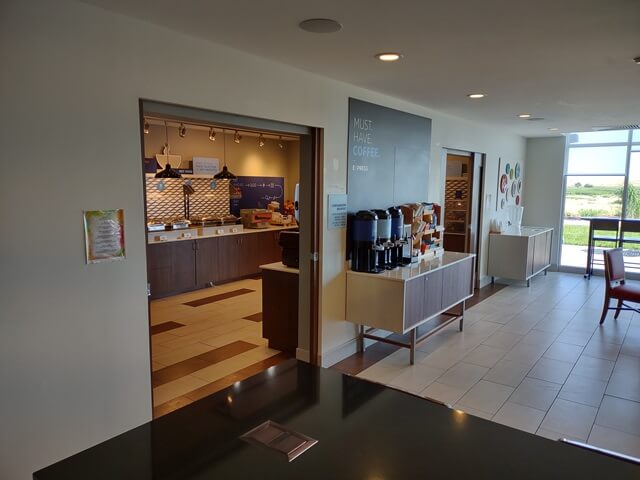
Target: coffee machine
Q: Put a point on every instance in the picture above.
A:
(383, 239)
(364, 256)
(398, 237)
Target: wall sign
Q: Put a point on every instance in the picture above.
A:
(104, 235)
(206, 166)
(388, 157)
(337, 211)
(256, 192)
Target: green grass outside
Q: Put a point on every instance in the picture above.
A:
(595, 191)
(579, 235)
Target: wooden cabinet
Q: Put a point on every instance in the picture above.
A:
(457, 282)
(414, 301)
(520, 254)
(280, 307)
(171, 268)
(432, 293)
(181, 266)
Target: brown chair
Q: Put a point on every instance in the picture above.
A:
(615, 285)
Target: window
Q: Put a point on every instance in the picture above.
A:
(602, 179)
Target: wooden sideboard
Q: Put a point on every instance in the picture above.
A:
(406, 298)
(280, 306)
(520, 254)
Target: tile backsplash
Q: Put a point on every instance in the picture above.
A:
(165, 197)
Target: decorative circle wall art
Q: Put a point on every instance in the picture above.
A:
(517, 170)
(507, 168)
(511, 172)
(519, 186)
(503, 183)
(502, 202)
(514, 187)
(518, 200)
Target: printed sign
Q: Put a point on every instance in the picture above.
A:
(104, 235)
(206, 166)
(337, 211)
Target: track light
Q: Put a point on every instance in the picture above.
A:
(146, 127)
(212, 134)
(261, 140)
(280, 144)
(237, 137)
(182, 130)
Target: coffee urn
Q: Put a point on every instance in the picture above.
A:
(398, 239)
(383, 240)
(363, 252)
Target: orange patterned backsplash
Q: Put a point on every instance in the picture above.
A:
(165, 197)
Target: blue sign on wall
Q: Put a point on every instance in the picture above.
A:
(257, 192)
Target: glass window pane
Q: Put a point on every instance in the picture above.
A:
(636, 136)
(633, 190)
(597, 160)
(611, 136)
(593, 196)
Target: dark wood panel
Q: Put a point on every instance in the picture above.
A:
(171, 268)
(539, 252)
(207, 270)
(457, 282)
(256, 317)
(228, 255)
(530, 250)
(432, 293)
(414, 301)
(280, 309)
(165, 327)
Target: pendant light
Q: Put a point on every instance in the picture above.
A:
(168, 172)
(225, 173)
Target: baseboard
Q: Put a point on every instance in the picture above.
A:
(303, 355)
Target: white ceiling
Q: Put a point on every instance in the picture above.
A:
(569, 61)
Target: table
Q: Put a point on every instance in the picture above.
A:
(364, 431)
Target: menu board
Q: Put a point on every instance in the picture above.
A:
(256, 192)
(388, 157)
(104, 235)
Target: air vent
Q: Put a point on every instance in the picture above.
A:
(615, 127)
(535, 119)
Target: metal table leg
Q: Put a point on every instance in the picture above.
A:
(412, 351)
(461, 325)
(361, 339)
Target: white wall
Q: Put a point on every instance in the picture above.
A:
(74, 338)
(542, 186)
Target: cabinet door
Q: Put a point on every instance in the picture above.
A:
(457, 282)
(171, 268)
(539, 252)
(530, 251)
(414, 302)
(228, 257)
(207, 269)
(549, 243)
(269, 248)
(432, 293)
(249, 254)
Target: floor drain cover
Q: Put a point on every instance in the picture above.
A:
(280, 439)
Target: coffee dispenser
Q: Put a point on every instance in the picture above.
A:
(398, 237)
(364, 236)
(383, 239)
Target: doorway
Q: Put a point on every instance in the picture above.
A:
(215, 268)
(464, 179)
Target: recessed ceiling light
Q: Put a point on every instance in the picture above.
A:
(476, 95)
(553, 129)
(388, 56)
(524, 115)
(320, 25)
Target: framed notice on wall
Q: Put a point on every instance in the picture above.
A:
(104, 235)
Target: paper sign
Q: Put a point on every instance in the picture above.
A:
(205, 166)
(104, 235)
(337, 211)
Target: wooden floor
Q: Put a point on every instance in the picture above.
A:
(205, 341)
(360, 361)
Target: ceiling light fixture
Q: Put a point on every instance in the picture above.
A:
(280, 144)
(182, 130)
(168, 172)
(553, 129)
(237, 137)
(212, 134)
(146, 127)
(524, 115)
(476, 95)
(320, 25)
(388, 56)
(225, 173)
(261, 141)
(637, 60)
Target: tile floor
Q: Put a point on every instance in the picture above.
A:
(537, 360)
(200, 349)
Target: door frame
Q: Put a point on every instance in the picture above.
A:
(315, 135)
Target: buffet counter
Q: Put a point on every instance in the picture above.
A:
(192, 233)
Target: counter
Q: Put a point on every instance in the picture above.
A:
(406, 298)
(209, 232)
(280, 306)
(520, 254)
(364, 431)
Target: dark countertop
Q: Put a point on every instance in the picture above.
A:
(365, 431)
